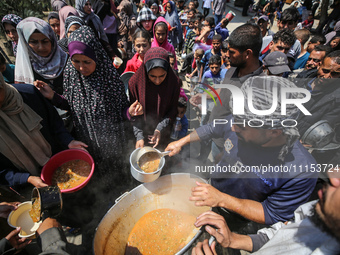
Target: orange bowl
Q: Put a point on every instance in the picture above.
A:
(62, 157)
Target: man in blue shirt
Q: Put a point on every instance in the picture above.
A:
(256, 177)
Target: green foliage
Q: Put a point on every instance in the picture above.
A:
(25, 8)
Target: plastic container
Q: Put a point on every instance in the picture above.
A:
(61, 158)
(21, 218)
(117, 62)
(175, 131)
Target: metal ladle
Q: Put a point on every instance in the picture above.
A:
(147, 149)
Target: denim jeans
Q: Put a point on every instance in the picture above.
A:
(218, 18)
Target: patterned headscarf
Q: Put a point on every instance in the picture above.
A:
(71, 20)
(146, 14)
(92, 17)
(261, 90)
(13, 20)
(97, 101)
(20, 138)
(49, 67)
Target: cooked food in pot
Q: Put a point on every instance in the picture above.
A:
(161, 231)
(71, 174)
(35, 210)
(149, 162)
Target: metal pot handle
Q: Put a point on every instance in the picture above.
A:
(121, 197)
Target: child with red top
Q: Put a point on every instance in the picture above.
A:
(142, 42)
(160, 39)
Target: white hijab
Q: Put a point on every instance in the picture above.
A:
(27, 60)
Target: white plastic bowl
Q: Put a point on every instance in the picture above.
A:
(21, 218)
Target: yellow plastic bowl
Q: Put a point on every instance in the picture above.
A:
(21, 218)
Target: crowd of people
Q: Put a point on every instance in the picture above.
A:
(73, 60)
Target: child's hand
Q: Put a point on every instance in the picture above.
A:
(179, 127)
(189, 75)
(136, 109)
(155, 138)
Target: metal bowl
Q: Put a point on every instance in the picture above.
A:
(140, 175)
(169, 191)
(320, 136)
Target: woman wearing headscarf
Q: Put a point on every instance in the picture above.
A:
(9, 23)
(171, 16)
(53, 20)
(64, 13)
(39, 56)
(84, 9)
(58, 4)
(154, 7)
(72, 23)
(157, 88)
(127, 26)
(31, 131)
(97, 100)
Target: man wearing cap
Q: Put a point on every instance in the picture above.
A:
(263, 24)
(253, 144)
(276, 63)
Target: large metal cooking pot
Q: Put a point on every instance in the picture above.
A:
(169, 191)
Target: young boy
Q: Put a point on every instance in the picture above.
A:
(224, 53)
(190, 37)
(196, 64)
(303, 36)
(181, 109)
(222, 30)
(215, 75)
(7, 70)
(314, 41)
(216, 50)
(172, 62)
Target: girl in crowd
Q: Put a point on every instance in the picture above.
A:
(97, 100)
(72, 23)
(39, 56)
(64, 13)
(157, 88)
(154, 7)
(145, 19)
(9, 23)
(171, 16)
(142, 42)
(161, 37)
(53, 20)
(84, 10)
